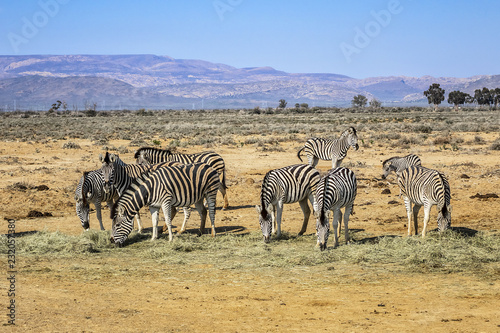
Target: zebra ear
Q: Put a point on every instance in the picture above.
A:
(112, 158)
(449, 208)
(258, 209)
(101, 158)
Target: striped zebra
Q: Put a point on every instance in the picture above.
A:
(151, 155)
(167, 187)
(327, 149)
(337, 189)
(284, 186)
(398, 164)
(119, 175)
(425, 187)
(90, 190)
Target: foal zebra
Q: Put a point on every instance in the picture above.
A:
(150, 155)
(398, 164)
(284, 186)
(120, 175)
(335, 190)
(90, 189)
(167, 187)
(425, 187)
(327, 149)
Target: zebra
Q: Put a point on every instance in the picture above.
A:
(398, 164)
(327, 149)
(337, 189)
(120, 175)
(167, 187)
(150, 155)
(284, 186)
(425, 187)
(90, 189)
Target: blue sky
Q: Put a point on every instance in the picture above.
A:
(355, 38)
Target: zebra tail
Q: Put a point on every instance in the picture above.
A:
(298, 153)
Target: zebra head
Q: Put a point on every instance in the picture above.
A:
(121, 225)
(141, 158)
(82, 205)
(322, 228)
(444, 218)
(387, 166)
(108, 170)
(265, 221)
(352, 138)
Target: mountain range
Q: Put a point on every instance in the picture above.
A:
(149, 81)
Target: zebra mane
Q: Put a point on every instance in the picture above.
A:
(322, 214)
(389, 160)
(136, 183)
(153, 149)
(84, 197)
(264, 211)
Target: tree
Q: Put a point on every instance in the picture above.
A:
(375, 103)
(304, 105)
(458, 98)
(483, 96)
(282, 104)
(495, 93)
(359, 101)
(435, 95)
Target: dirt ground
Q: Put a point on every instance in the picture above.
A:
(68, 295)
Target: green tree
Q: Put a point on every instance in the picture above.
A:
(282, 104)
(495, 93)
(435, 95)
(304, 105)
(458, 98)
(359, 101)
(483, 97)
(375, 103)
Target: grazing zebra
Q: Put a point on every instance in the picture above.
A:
(335, 190)
(326, 149)
(284, 186)
(120, 175)
(167, 187)
(398, 164)
(149, 155)
(425, 187)
(90, 189)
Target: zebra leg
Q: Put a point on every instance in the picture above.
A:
(335, 162)
(279, 213)
(313, 160)
(187, 213)
(98, 214)
(223, 191)
(427, 214)
(337, 215)
(307, 212)
(154, 217)
(173, 212)
(416, 208)
(200, 207)
(347, 214)
(408, 212)
(139, 223)
(211, 213)
(168, 212)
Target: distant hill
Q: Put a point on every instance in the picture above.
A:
(150, 81)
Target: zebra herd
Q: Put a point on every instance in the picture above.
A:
(166, 180)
